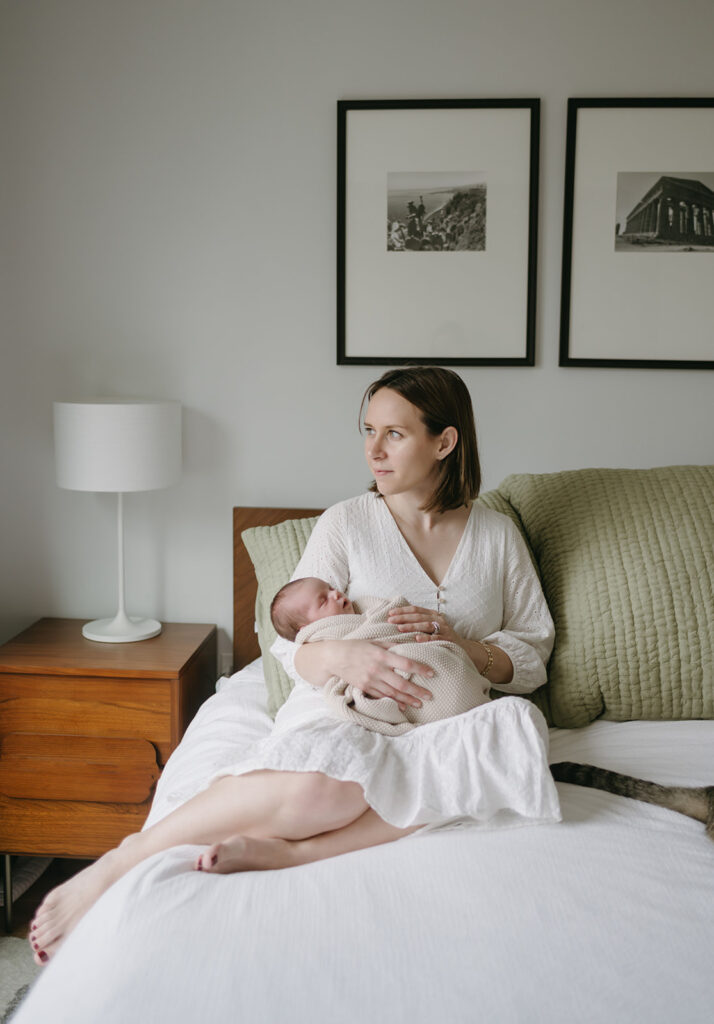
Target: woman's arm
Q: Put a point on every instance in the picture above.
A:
(500, 671)
(412, 617)
(527, 633)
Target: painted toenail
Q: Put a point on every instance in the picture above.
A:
(214, 858)
(200, 864)
(43, 957)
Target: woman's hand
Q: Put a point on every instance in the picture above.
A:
(411, 618)
(423, 621)
(374, 669)
(366, 665)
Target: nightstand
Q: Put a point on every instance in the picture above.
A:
(85, 730)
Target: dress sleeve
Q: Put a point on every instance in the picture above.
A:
(527, 633)
(325, 556)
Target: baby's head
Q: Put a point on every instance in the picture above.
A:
(304, 601)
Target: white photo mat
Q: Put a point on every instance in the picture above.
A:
(643, 305)
(438, 306)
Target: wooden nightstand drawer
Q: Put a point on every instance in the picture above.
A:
(114, 708)
(77, 768)
(67, 828)
(85, 729)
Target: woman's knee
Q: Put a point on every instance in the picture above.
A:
(316, 800)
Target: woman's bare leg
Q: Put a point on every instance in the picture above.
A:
(244, 853)
(290, 805)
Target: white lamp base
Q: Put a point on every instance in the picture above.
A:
(121, 629)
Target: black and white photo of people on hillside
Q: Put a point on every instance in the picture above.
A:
(435, 212)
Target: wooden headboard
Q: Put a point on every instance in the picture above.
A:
(245, 585)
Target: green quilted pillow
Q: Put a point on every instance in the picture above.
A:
(274, 552)
(627, 564)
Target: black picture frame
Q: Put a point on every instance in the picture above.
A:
(468, 306)
(638, 234)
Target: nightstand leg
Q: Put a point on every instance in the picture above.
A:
(7, 881)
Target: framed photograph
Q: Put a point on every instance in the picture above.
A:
(638, 234)
(437, 210)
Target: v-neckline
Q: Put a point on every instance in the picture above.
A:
(403, 541)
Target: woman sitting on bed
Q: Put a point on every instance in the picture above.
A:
(319, 786)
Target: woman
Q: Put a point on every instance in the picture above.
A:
(318, 787)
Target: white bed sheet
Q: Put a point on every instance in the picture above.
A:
(605, 917)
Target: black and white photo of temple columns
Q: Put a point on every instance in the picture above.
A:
(671, 212)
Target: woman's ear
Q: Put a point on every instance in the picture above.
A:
(447, 442)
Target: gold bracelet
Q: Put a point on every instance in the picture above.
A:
(489, 664)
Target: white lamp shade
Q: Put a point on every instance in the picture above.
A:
(117, 445)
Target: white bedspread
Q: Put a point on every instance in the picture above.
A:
(605, 918)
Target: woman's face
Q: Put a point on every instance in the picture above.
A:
(400, 451)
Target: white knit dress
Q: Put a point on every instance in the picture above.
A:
(487, 765)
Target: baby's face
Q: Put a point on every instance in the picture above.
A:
(315, 599)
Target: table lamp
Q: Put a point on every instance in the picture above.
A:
(118, 445)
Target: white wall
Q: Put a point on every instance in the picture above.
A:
(167, 212)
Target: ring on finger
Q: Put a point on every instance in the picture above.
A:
(437, 629)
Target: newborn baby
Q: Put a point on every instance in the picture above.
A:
(309, 609)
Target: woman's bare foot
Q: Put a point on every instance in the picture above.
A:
(64, 906)
(244, 853)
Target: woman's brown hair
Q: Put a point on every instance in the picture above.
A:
(443, 400)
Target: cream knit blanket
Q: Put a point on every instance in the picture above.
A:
(457, 686)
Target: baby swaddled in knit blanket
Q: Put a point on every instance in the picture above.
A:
(456, 685)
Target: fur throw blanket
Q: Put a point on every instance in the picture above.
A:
(457, 685)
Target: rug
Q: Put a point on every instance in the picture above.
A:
(17, 972)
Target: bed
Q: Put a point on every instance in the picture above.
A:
(606, 916)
